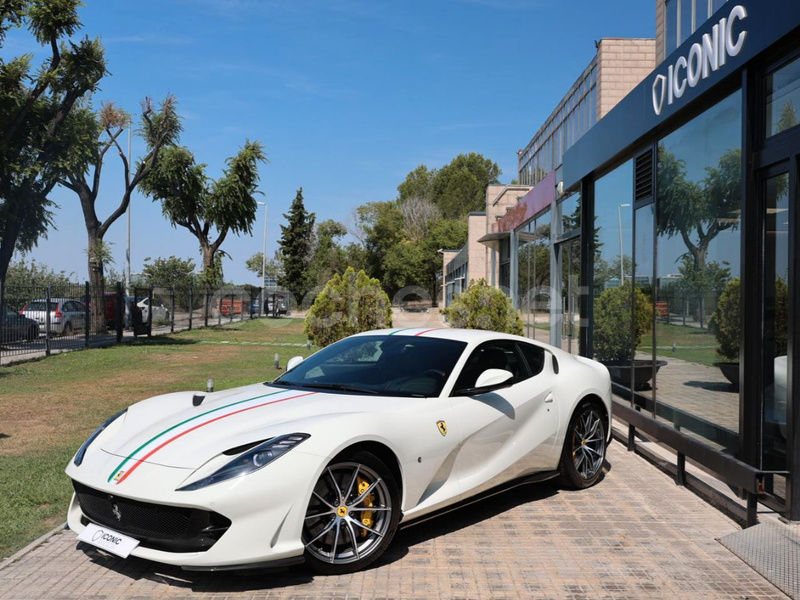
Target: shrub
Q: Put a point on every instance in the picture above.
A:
(350, 303)
(614, 336)
(484, 307)
(727, 318)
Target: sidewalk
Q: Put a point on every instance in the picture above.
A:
(634, 535)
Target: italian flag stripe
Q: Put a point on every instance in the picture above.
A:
(200, 416)
(198, 426)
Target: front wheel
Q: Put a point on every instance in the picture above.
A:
(584, 447)
(352, 515)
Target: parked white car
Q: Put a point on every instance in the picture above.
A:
(323, 463)
(66, 316)
(160, 312)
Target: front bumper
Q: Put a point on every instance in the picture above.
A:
(250, 521)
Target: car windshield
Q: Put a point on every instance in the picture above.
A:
(381, 364)
(40, 305)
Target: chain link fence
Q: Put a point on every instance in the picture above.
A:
(43, 319)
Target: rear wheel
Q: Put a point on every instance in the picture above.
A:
(352, 515)
(584, 447)
(32, 334)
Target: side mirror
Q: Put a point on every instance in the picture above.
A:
(488, 381)
(293, 362)
(493, 378)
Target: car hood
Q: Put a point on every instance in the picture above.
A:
(171, 431)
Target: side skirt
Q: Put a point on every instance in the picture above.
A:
(535, 478)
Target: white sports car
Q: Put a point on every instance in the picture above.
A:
(323, 463)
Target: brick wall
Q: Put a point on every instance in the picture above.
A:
(621, 65)
(660, 31)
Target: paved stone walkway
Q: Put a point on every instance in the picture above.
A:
(634, 535)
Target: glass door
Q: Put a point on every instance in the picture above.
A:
(569, 254)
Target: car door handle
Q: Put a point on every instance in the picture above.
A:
(548, 399)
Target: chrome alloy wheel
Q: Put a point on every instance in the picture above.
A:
(349, 514)
(588, 444)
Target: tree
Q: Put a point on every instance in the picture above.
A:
(328, 257)
(191, 200)
(296, 247)
(419, 216)
(95, 135)
(483, 307)
(418, 184)
(169, 272)
(34, 105)
(460, 187)
(27, 280)
(273, 267)
(350, 303)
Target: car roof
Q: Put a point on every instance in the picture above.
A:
(476, 336)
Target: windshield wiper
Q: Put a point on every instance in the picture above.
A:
(341, 387)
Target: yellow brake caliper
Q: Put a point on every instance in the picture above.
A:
(369, 502)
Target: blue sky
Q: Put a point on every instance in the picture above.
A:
(347, 97)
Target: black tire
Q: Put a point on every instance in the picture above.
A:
(32, 334)
(584, 451)
(335, 541)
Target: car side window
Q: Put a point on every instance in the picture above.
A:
(534, 357)
(501, 354)
(68, 307)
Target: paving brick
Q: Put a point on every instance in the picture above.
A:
(634, 535)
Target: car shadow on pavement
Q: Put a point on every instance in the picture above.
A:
(213, 582)
(261, 579)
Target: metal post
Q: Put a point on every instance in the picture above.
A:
(47, 324)
(264, 258)
(150, 311)
(172, 313)
(205, 309)
(118, 312)
(128, 247)
(87, 316)
(631, 438)
(680, 472)
(191, 304)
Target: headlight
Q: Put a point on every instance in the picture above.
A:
(85, 446)
(250, 461)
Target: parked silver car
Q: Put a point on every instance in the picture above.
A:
(66, 315)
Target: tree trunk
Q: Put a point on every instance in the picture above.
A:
(96, 286)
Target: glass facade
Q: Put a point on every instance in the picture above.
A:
(783, 98)
(699, 183)
(683, 17)
(533, 277)
(573, 117)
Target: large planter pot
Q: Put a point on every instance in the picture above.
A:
(731, 372)
(620, 371)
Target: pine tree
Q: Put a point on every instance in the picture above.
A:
(295, 245)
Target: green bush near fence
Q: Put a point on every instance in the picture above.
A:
(483, 307)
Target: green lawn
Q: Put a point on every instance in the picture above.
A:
(691, 344)
(48, 407)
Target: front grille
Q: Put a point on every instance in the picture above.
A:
(156, 526)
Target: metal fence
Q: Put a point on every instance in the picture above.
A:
(42, 319)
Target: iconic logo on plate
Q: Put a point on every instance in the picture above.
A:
(117, 512)
(119, 475)
(342, 511)
(442, 427)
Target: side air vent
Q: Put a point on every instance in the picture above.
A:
(644, 176)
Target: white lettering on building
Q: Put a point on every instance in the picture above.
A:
(704, 57)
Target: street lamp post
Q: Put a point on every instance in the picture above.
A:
(264, 264)
(619, 224)
(128, 248)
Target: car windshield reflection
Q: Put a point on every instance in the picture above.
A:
(380, 364)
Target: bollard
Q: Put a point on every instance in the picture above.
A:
(277, 361)
(308, 344)
(210, 385)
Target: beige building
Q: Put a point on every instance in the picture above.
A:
(618, 66)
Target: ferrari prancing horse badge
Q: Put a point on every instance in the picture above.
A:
(442, 427)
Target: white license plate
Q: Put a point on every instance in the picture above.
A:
(108, 539)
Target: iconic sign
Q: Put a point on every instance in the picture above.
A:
(704, 57)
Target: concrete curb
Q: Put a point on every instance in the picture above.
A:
(32, 546)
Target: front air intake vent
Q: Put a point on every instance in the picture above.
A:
(644, 176)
